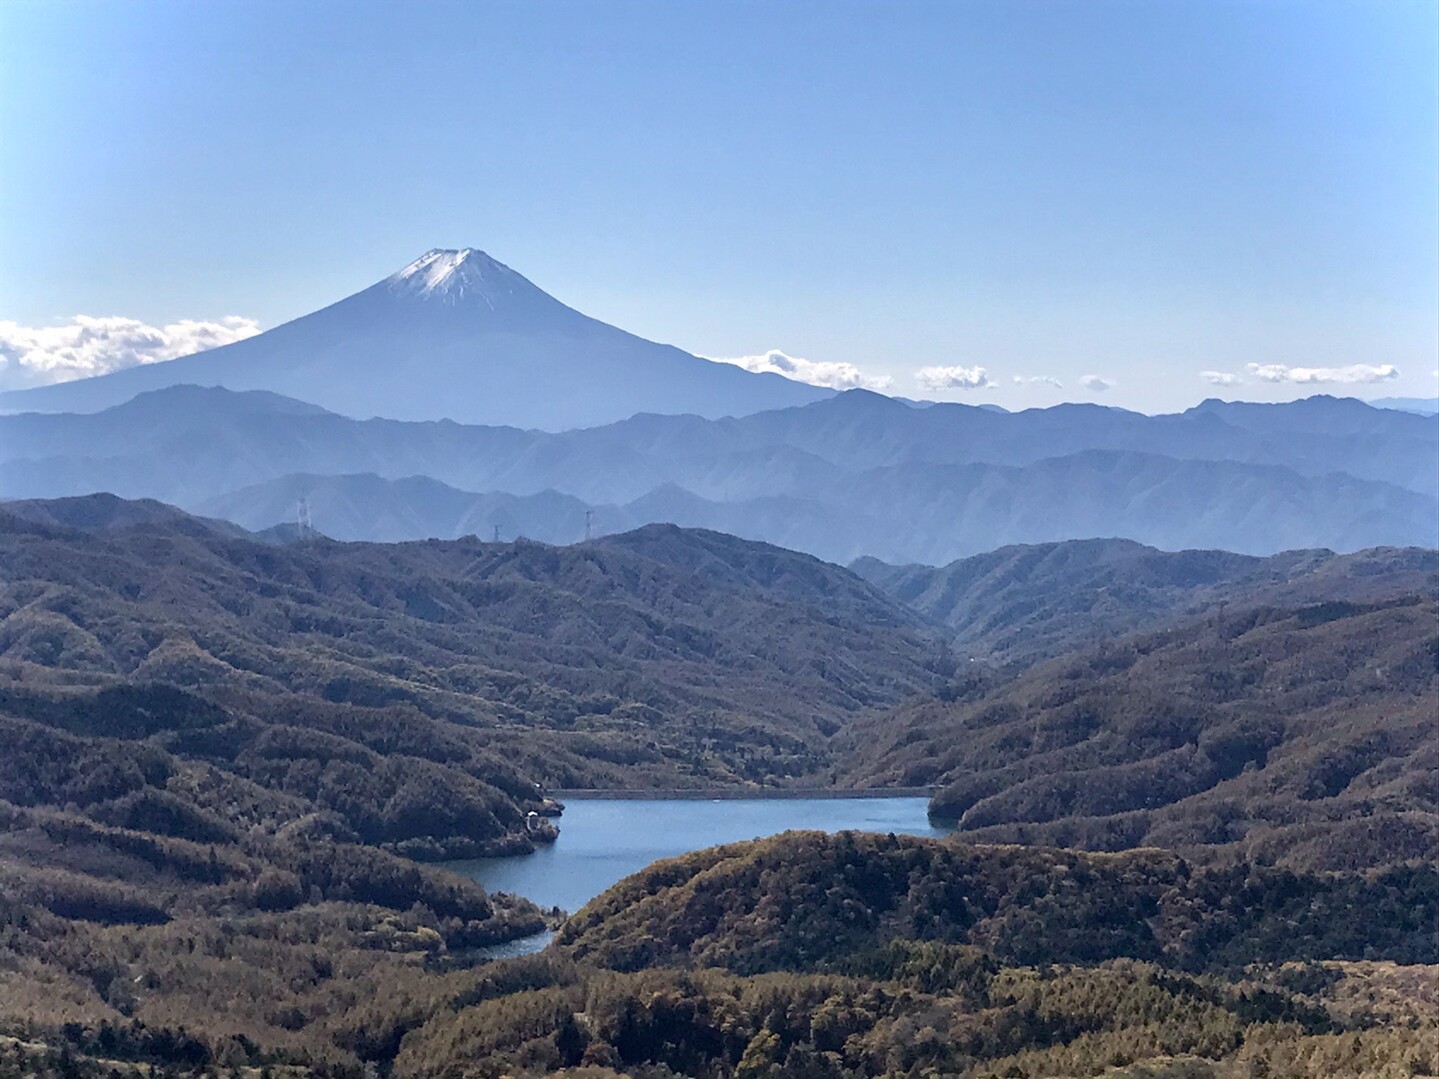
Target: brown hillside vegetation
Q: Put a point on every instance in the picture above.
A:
(225, 762)
(796, 957)
(917, 1009)
(806, 900)
(856, 955)
(1304, 736)
(663, 657)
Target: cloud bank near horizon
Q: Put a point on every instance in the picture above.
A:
(1353, 373)
(937, 379)
(1221, 378)
(1282, 374)
(830, 374)
(87, 345)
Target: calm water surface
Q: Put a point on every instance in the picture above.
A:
(604, 840)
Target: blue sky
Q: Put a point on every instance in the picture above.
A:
(1136, 192)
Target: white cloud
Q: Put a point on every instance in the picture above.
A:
(1095, 384)
(1221, 378)
(1038, 380)
(85, 346)
(953, 378)
(837, 376)
(1355, 372)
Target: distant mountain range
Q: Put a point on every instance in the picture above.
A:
(856, 474)
(1023, 603)
(455, 397)
(1425, 406)
(454, 335)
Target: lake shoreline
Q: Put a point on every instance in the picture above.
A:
(739, 793)
(605, 838)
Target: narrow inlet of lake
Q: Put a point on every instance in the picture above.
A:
(603, 840)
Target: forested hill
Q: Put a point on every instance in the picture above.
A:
(811, 901)
(664, 657)
(1022, 603)
(808, 956)
(105, 512)
(1303, 735)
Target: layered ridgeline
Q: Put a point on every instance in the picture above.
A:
(661, 657)
(453, 335)
(855, 475)
(1022, 603)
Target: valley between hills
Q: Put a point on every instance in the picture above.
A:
(234, 761)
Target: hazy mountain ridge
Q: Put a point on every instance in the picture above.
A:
(1424, 406)
(1022, 603)
(109, 513)
(959, 507)
(834, 478)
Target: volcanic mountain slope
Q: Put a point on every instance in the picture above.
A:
(1304, 735)
(662, 656)
(1024, 603)
(855, 475)
(454, 335)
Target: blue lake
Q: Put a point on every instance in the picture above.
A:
(605, 840)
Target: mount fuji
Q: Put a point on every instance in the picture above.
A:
(454, 335)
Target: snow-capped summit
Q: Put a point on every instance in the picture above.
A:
(454, 335)
(452, 274)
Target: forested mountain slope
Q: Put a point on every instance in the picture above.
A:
(811, 901)
(820, 957)
(664, 656)
(1304, 735)
(803, 956)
